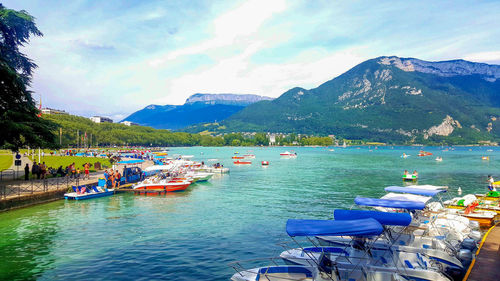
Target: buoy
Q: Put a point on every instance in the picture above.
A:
(459, 191)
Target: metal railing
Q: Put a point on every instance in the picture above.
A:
(21, 188)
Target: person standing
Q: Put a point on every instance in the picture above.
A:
(27, 172)
(490, 183)
(43, 170)
(34, 170)
(87, 170)
(118, 178)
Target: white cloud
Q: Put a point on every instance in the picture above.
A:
(493, 56)
(237, 24)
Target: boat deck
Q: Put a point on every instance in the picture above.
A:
(486, 266)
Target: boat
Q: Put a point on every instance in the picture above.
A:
(199, 176)
(439, 159)
(165, 185)
(486, 158)
(237, 157)
(265, 163)
(83, 192)
(404, 155)
(288, 154)
(249, 156)
(410, 177)
(335, 263)
(238, 162)
(422, 153)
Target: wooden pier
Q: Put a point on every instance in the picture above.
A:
(486, 265)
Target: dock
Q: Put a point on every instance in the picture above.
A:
(486, 265)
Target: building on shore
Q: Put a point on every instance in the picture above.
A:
(129, 123)
(100, 119)
(53, 111)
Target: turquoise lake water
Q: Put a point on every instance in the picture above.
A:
(241, 215)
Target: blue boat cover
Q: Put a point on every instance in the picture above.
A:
(413, 190)
(400, 204)
(403, 219)
(130, 161)
(361, 227)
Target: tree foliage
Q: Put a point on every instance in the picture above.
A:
(18, 113)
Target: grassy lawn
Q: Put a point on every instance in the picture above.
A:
(5, 161)
(56, 161)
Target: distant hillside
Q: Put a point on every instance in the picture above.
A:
(199, 108)
(388, 99)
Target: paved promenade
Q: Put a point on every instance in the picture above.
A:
(486, 267)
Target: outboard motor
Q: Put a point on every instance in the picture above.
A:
(465, 256)
(469, 244)
(476, 235)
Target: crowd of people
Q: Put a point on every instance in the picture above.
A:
(41, 171)
(113, 178)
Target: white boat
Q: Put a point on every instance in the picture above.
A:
(288, 154)
(199, 176)
(439, 159)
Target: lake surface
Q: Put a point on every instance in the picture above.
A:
(194, 235)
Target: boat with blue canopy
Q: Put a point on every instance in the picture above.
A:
(414, 190)
(360, 227)
(399, 204)
(384, 218)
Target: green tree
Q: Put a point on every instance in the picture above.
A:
(18, 114)
(261, 139)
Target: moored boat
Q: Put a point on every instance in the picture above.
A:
(165, 185)
(84, 192)
(238, 162)
(265, 163)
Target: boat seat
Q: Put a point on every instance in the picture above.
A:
(74, 188)
(95, 189)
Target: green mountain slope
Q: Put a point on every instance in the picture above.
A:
(388, 99)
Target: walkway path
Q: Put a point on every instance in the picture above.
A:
(487, 264)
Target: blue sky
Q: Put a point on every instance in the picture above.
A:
(113, 57)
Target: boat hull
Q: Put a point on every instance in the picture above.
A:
(75, 196)
(163, 187)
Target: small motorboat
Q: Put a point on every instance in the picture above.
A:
(424, 153)
(404, 155)
(249, 156)
(410, 177)
(238, 157)
(165, 185)
(288, 154)
(265, 163)
(439, 159)
(486, 158)
(84, 192)
(238, 162)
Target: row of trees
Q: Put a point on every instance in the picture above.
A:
(75, 131)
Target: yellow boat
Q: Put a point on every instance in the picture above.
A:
(495, 209)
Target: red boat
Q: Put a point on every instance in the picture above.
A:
(424, 153)
(163, 185)
(265, 163)
(238, 162)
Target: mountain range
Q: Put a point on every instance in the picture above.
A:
(198, 108)
(388, 99)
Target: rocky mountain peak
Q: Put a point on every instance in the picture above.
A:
(233, 99)
(444, 68)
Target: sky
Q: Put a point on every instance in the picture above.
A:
(114, 57)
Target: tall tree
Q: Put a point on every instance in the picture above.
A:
(18, 113)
